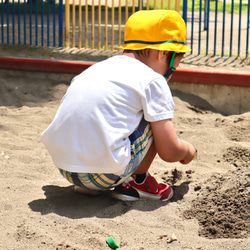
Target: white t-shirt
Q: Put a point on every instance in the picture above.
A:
(101, 108)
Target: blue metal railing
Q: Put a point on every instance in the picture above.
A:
(41, 23)
(223, 27)
(234, 38)
(27, 21)
(247, 39)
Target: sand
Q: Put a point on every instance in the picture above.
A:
(39, 209)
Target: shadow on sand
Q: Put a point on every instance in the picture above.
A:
(65, 202)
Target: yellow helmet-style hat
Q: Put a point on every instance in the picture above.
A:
(155, 29)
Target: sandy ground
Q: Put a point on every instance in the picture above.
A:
(39, 210)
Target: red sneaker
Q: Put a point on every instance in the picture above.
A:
(148, 189)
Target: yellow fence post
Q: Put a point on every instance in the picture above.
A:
(93, 25)
(169, 4)
(86, 23)
(73, 23)
(126, 11)
(99, 25)
(177, 5)
(80, 25)
(119, 23)
(106, 24)
(113, 23)
(67, 23)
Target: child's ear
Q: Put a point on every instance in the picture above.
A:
(162, 54)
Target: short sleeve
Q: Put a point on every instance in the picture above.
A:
(157, 102)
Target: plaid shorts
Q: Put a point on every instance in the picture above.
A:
(141, 140)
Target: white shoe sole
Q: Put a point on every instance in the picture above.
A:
(170, 195)
(124, 197)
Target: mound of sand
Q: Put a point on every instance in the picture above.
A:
(223, 205)
(39, 210)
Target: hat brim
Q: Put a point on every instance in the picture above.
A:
(179, 48)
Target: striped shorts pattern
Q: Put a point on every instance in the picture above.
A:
(92, 181)
(141, 140)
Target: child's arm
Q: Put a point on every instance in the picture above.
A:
(168, 146)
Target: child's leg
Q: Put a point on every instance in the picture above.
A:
(147, 160)
(141, 185)
(142, 150)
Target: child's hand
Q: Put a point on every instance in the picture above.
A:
(191, 155)
(168, 146)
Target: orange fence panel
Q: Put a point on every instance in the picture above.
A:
(103, 21)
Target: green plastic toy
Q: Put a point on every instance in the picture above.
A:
(112, 244)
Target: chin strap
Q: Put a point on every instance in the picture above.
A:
(171, 69)
(169, 73)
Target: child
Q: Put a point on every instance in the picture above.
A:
(116, 115)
